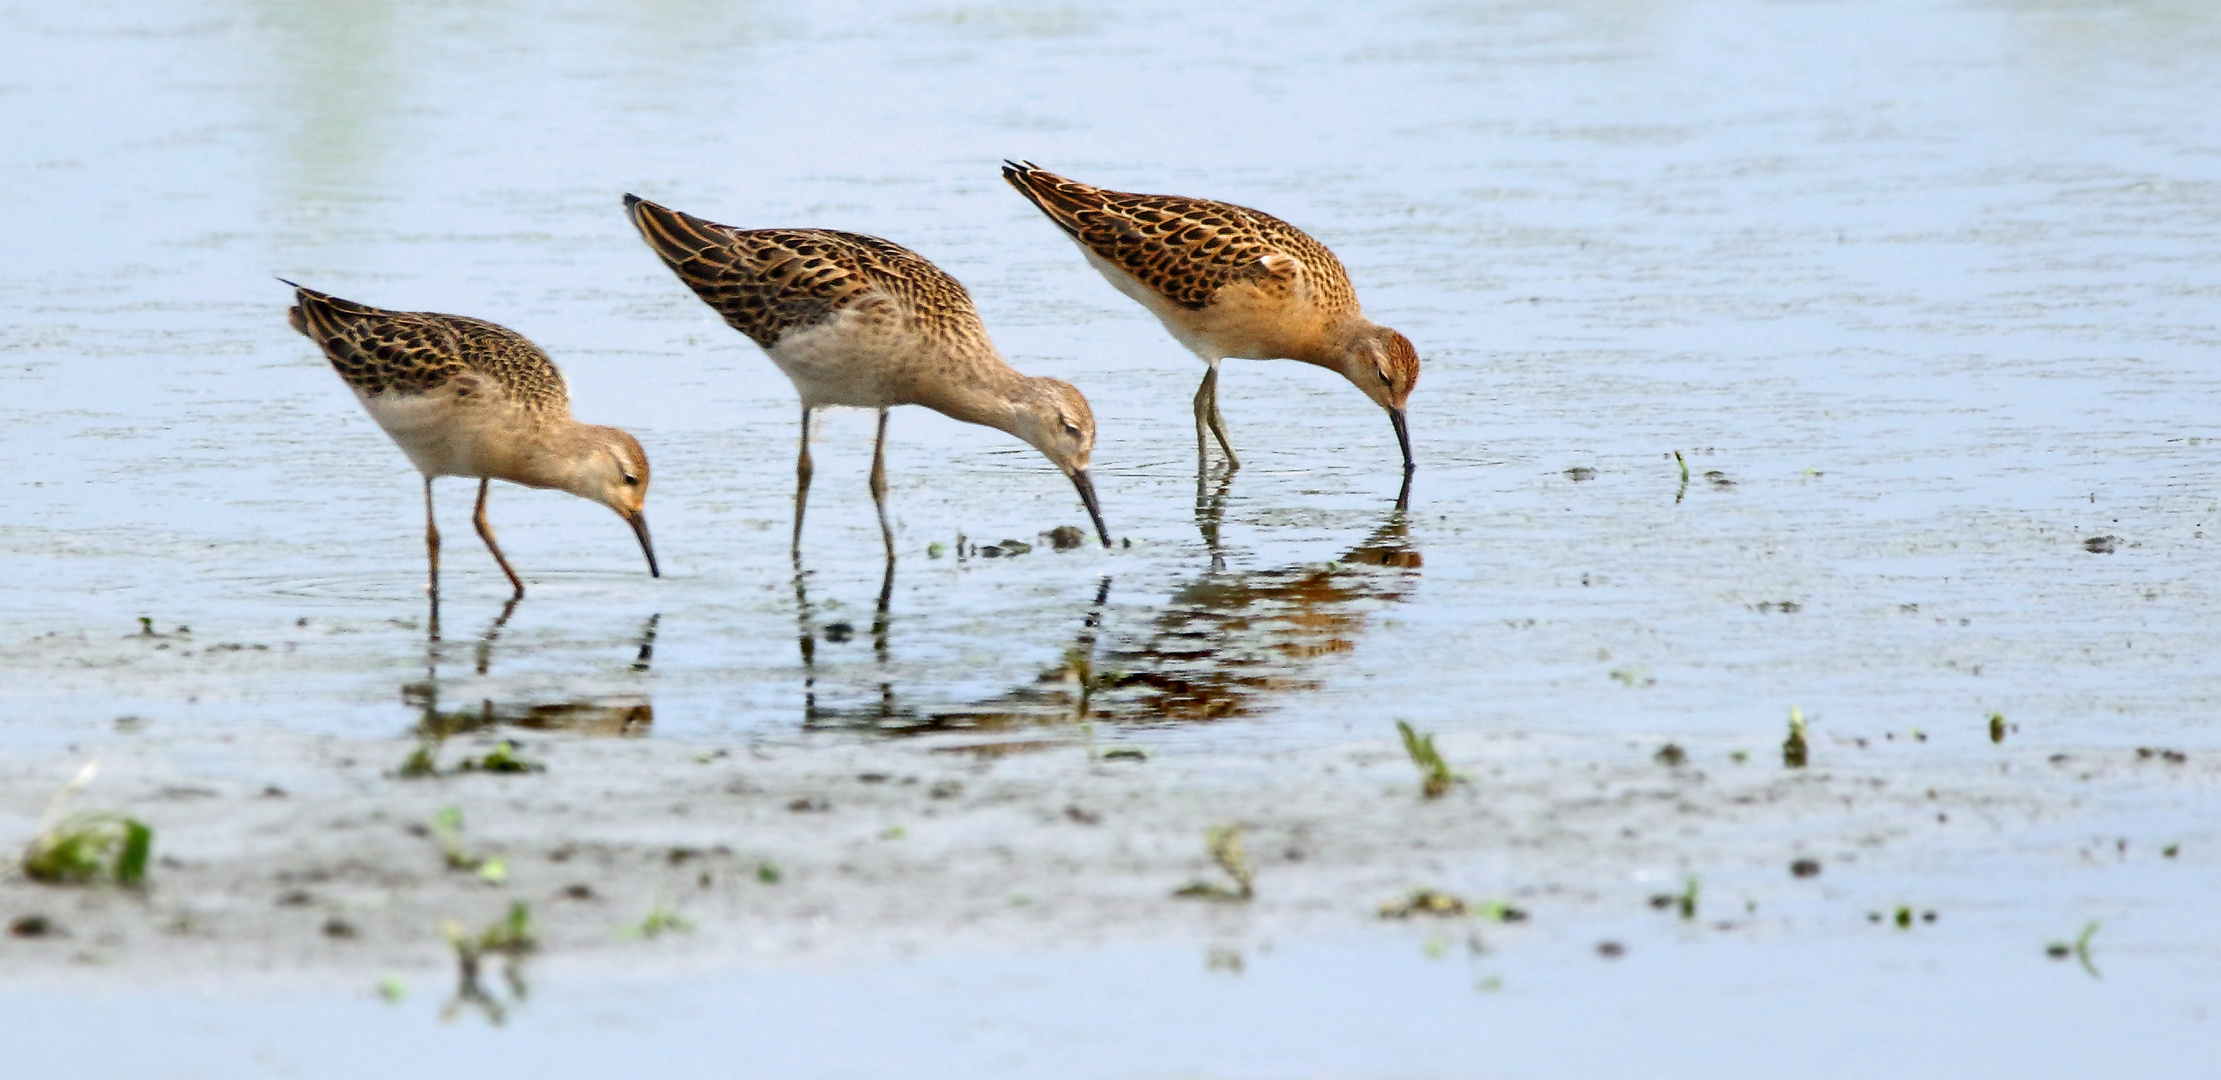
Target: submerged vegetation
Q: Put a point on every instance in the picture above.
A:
(1224, 843)
(87, 847)
(1435, 776)
(91, 847)
(512, 938)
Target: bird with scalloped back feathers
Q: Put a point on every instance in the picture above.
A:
(1228, 281)
(855, 320)
(464, 397)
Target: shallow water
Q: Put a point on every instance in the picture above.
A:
(1924, 294)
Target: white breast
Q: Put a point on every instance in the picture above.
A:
(848, 359)
(440, 436)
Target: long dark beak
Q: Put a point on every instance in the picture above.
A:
(1081, 480)
(1403, 438)
(639, 523)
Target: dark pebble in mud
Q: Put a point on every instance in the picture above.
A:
(871, 778)
(339, 929)
(1066, 537)
(1610, 950)
(295, 898)
(1805, 868)
(579, 891)
(2100, 545)
(1084, 817)
(33, 926)
(2057, 950)
(810, 806)
(945, 789)
(1671, 755)
(1661, 901)
(1579, 473)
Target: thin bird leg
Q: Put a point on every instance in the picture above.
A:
(1202, 424)
(1218, 426)
(802, 472)
(432, 555)
(486, 533)
(1208, 420)
(879, 490)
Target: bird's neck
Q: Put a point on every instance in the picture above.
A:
(1334, 346)
(550, 455)
(988, 394)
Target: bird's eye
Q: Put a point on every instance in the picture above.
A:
(631, 480)
(1387, 379)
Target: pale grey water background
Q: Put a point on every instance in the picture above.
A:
(1935, 285)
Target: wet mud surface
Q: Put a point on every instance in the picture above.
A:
(1847, 362)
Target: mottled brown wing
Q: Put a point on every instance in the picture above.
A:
(1185, 249)
(768, 283)
(377, 350)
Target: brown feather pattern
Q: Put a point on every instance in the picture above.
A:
(377, 350)
(768, 283)
(1185, 249)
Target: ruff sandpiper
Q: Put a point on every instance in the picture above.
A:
(464, 397)
(1229, 281)
(855, 320)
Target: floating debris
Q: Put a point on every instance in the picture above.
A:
(1804, 868)
(1671, 756)
(1424, 902)
(33, 926)
(1610, 950)
(2171, 757)
(1997, 727)
(1125, 753)
(501, 759)
(1794, 749)
(2101, 545)
(1580, 473)
(1066, 537)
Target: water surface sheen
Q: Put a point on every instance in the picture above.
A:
(1924, 295)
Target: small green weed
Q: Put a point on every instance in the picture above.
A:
(91, 847)
(1435, 776)
(1224, 843)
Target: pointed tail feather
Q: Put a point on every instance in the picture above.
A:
(1062, 200)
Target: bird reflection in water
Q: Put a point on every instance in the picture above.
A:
(1225, 643)
(623, 715)
(1227, 640)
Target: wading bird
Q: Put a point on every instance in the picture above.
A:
(464, 397)
(1229, 281)
(856, 320)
